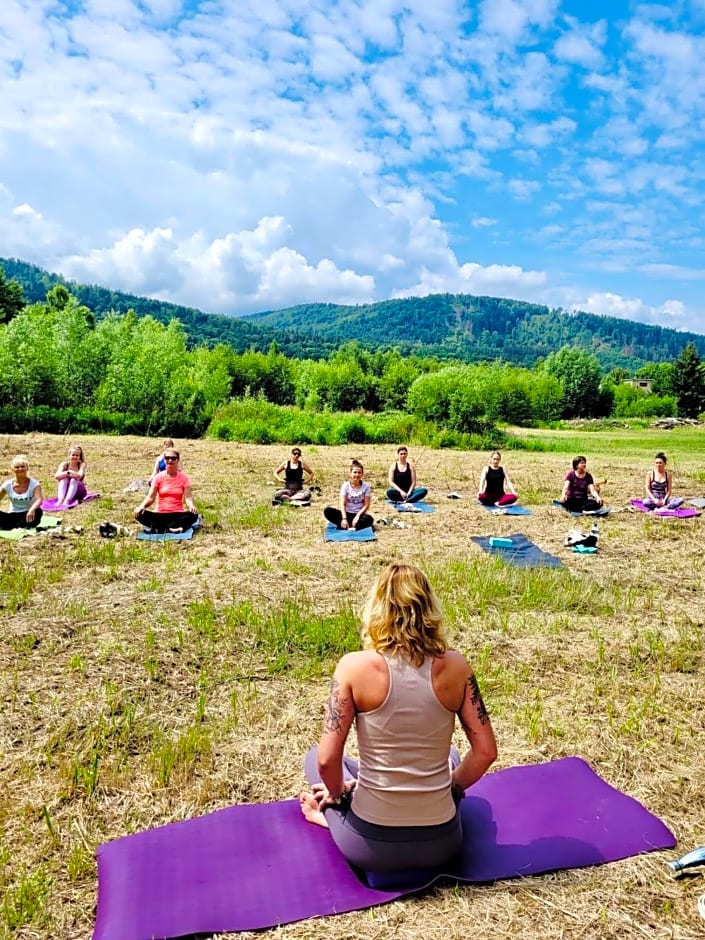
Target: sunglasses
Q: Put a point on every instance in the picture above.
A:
(169, 459)
(296, 453)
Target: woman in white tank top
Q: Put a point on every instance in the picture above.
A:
(398, 808)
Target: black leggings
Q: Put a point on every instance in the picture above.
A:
(18, 520)
(580, 504)
(163, 521)
(386, 848)
(336, 517)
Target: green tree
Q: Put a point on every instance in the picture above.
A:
(11, 298)
(579, 375)
(660, 374)
(689, 382)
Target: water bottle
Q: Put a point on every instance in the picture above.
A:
(688, 862)
(595, 529)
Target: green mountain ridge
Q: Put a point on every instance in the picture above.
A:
(451, 326)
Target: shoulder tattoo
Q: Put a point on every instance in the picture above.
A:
(335, 706)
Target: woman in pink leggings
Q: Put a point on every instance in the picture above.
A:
(496, 489)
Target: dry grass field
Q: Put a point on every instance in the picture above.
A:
(147, 682)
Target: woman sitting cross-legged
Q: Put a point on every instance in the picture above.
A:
(399, 807)
(355, 497)
(658, 486)
(580, 494)
(172, 490)
(402, 480)
(496, 489)
(25, 495)
(291, 473)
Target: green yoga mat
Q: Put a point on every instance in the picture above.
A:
(14, 535)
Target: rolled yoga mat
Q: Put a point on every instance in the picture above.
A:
(256, 866)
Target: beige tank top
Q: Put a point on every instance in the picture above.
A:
(404, 777)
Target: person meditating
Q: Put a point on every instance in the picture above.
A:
(25, 495)
(658, 486)
(172, 490)
(398, 808)
(71, 475)
(402, 480)
(496, 489)
(355, 497)
(291, 473)
(580, 494)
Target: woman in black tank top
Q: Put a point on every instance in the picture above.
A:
(291, 473)
(496, 489)
(402, 480)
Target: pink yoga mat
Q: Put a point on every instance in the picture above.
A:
(53, 505)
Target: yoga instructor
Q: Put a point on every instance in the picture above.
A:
(399, 807)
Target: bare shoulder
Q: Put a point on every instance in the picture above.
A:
(453, 663)
(352, 663)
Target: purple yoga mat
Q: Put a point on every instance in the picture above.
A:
(255, 866)
(53, 505)
(680, 513)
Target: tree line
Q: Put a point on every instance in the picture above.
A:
(450, 327)
(63, 370)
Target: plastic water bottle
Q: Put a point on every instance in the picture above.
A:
(595, 529)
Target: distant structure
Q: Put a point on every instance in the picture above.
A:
(643, 384)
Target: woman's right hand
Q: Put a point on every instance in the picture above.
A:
(343, 523)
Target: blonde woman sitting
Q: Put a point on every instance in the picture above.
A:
(399, 805)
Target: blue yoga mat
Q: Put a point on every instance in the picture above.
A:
(165, 536)
(603, 511)
(420, 506)
(332, 533)
(262, 865)
(522, 553)
(513, 510)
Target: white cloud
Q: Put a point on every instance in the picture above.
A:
(233, 154)
(671, 313)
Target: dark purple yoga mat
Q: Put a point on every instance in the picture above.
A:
(256, 866)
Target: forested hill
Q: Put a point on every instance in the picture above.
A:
(201, 328)
(458, 326)
(484, 328)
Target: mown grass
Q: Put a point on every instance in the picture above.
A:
(142, 683)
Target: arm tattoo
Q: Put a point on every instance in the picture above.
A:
(335, 705)
(476, 700)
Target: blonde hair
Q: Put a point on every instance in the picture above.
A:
(402, 615)
(18, 460)
(79, 449)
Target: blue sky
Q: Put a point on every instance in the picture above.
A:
(244, 155)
